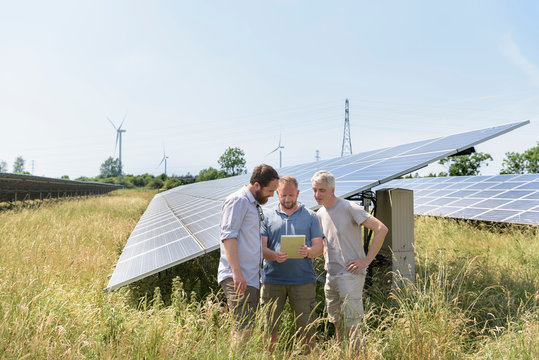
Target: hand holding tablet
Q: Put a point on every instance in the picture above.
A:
(290, 244)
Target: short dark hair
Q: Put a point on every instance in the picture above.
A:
(264, 174)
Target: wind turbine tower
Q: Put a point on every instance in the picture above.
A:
(119, 132)
(280, 152)
(164, 159)
(346, 139)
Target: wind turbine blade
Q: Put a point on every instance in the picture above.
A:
(163, 159)
(114, 126)
(122, 121)
(271, 152)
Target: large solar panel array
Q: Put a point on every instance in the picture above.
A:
(501, 198)
(176, 227)
(183, 222)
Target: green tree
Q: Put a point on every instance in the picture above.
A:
(186, 179)
(233, 161)
(410, 176)
(3, 166)
(516, 163)
(463, 165)
(111, 167)
(156, 183)
(18, 165)
(66, 177)
(172, 182)
(210, 174)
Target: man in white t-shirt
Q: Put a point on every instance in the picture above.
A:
(345, 259)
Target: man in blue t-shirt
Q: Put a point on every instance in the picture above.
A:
(284, 277)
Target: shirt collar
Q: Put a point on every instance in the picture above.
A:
(249, 195)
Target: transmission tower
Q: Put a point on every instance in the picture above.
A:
(346, 139)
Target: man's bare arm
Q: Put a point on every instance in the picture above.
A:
(271, 255)
(379, 231)
(316, 248)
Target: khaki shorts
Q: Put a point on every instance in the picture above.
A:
(302, 299)
(344, 298)
(243, 306)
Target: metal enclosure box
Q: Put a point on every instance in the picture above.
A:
(395, 208)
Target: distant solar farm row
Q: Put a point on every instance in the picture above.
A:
(18, 187)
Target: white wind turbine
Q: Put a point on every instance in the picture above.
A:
(119, 132)
(279, 147)
(164, 159)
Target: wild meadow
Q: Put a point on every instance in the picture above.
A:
(475, 295)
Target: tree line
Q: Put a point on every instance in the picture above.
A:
(526, 162)
(232, 162)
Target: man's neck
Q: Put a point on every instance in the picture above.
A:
(251, 188)
(331, 202)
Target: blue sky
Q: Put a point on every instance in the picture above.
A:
(195, 77)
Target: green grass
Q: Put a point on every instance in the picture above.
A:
(475, 296)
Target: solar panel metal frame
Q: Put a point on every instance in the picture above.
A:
(350, 180)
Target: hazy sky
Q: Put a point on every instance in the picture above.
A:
(195, 77)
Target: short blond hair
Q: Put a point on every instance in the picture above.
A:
(324, 176)
(288, 180)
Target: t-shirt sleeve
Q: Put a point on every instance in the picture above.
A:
(234, 211)
(358, 214)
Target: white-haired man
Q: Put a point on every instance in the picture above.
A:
(345, 259)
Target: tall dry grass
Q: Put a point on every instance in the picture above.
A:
(475, 296)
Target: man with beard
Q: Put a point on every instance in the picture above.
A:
(241, 250)
(284, 277)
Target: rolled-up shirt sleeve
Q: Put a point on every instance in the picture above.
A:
(234, 211)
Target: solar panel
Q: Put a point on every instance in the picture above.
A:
(183, 223)
(501, 198)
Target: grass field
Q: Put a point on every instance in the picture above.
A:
(475, 296)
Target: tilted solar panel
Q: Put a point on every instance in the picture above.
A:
(183, 223)
(501, 198)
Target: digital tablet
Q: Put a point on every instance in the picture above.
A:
(290, 245)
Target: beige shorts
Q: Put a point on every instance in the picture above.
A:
(344, 298)
(243, 306)
(302, 299)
